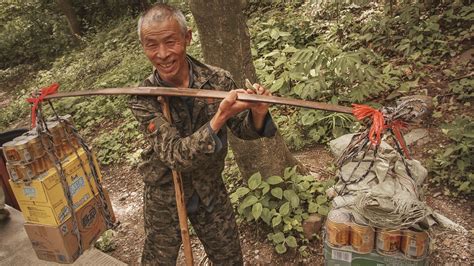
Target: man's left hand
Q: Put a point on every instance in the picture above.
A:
(258, 108)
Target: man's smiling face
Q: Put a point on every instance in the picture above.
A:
(165, 44)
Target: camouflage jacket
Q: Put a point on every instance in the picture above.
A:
(188, 144)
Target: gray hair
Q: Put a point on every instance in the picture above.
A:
(159, 13)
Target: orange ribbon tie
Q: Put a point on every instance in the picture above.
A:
(53, 88)
(376, 129)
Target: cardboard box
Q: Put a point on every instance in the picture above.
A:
(59, 243)
(346, 256)
(43, 200)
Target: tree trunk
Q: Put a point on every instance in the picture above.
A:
(225, 43)
(73, 22)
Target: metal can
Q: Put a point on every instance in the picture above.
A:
(362, 238)
(11, 152)
(338, 228)
(58, 132)
(414, 244)
(388, 241)
(21, 172)
(35, 147)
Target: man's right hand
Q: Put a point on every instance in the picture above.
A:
(229, 107)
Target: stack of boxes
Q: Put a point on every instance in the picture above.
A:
(36, 184)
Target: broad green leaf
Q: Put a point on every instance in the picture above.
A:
(255, 180)
(276, 221)
(291, 242)
(308, 119)
(284, 209)
(323, 210)
(289, 172)
(278, 237)
(257, 210)
(274, 180)
(277, 85)
(274, 33)
(464, 186)
(312, 207)
(321, 199)
(265, 187)
(242, 191)
(248, 201)
(290, 49)
(280, 248)
(266, 216)
(291, 196)
(277, 192)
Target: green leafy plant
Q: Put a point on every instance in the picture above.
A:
(114, 146)
(106, 241)
(453, 165)
(463, 88)
(282, 204)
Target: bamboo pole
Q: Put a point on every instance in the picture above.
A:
(179, 193)
(201, 93)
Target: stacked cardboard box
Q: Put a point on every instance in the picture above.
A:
(49, 224)
(59, 243)
(42, 200)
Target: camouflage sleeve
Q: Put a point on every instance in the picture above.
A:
(242, 125)
(176, 152)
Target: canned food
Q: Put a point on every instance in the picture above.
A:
(337, 228)
(19, 172)
(414, 244)
(362, 238)
(388, 241)
(35, 146)
(23, 149)
(11, 152)
(58, 132)
(25, 171)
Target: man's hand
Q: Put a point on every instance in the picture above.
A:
(229, 107)
(259, 110)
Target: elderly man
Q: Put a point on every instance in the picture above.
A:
(195, 143)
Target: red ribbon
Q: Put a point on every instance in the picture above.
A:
(53, 88)
(397, 126)
(362, 111)
(378, 125)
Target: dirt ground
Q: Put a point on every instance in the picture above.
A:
(125, 186)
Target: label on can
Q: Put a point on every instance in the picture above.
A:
(27, 155)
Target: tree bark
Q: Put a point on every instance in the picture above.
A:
(73, 22)
(225, 42)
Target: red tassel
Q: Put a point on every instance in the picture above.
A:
(397, 126)
(53, 88)
(363, 111)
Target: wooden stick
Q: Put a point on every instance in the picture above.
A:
(201, 93)
(179, 193)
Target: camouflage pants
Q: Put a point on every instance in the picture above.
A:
(214, 225)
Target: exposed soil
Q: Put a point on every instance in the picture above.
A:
(125, 186)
